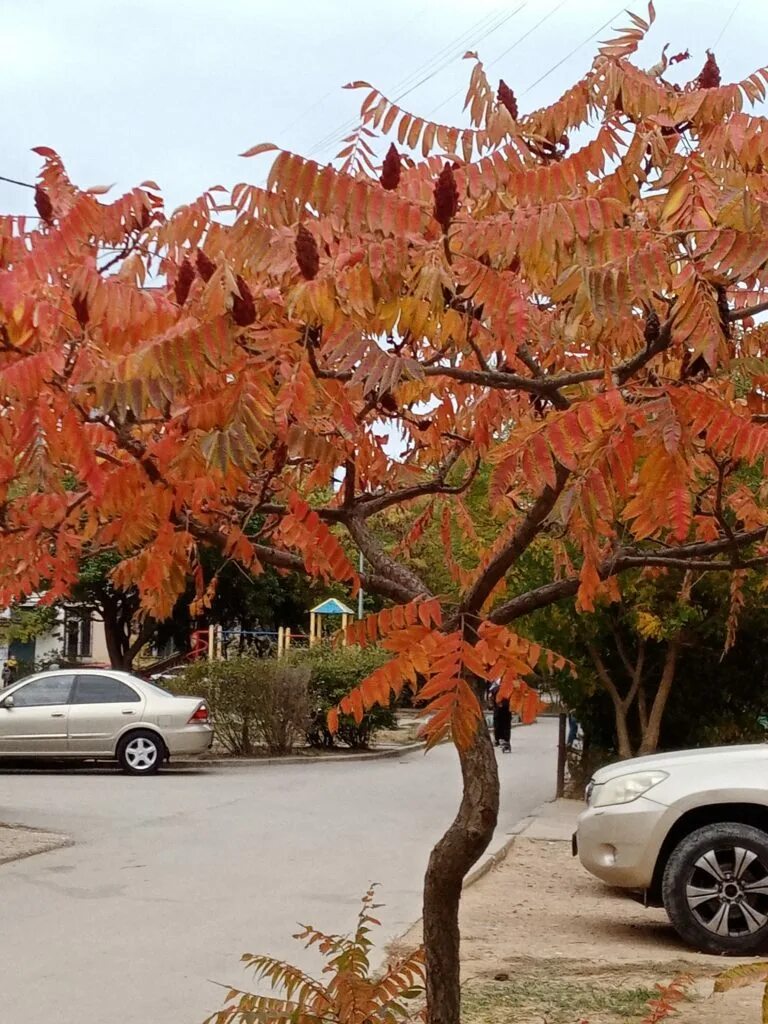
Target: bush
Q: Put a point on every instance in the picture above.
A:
(254, 701)
(334, 672)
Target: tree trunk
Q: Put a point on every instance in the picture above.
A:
(621, 705)
(454, 855)
(623, 739)
(651, 734)
(114, 635)
(642, 710)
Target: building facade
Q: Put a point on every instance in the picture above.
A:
(76, 637)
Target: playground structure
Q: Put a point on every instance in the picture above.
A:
(216, 643)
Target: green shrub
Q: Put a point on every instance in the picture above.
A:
(334, 672)
(254, 701)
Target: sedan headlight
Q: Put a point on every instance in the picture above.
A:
(626, 788)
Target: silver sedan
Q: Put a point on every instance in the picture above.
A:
(101, 714)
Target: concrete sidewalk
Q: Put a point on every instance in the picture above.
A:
(552, 822)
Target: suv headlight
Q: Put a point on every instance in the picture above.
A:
(626, 788)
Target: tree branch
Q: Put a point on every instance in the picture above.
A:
(548, 385)
(629, 667)
(685, 556)
(604, 675)
(638, 674)
(369, 505)
(520, 540)
(374, 582)
(389, 568)
(742, 314)
(146, 630)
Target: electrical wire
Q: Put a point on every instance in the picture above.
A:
(503, 54)
(469, 37)
(390, 39)
(728, 21)
(15, 181)
(478, 41)
(435, 60)
(572, 52)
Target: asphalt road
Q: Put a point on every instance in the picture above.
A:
(172, 878)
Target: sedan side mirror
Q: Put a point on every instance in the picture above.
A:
(8, 702)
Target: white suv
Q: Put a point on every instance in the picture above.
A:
(689, 830)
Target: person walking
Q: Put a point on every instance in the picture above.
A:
(502, 718)
(8, 670)
(573, 730)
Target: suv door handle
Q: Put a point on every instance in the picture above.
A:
(129, 712)
(57, 714)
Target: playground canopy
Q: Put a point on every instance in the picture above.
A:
(332, 606)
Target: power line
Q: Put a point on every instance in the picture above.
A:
(436, 58)
(728, 21)
(468, 38)
(572, 52)
(523, 37)
(509, 49)
(15, 181)
(485, 36)
(394, 36)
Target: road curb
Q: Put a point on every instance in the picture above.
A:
(500, 855)
(520, 829)
(252, 762)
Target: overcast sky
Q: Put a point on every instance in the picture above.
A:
(173, 90)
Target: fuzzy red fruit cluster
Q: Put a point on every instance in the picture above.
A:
(307, 256)
(206, 268)
(183, 282)
(390, 170)
(446, 198)
(43, 204)
(709, 76)
(506, 97)
(243, 306)
(80, 306)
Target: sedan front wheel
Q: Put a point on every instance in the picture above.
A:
(715, 889)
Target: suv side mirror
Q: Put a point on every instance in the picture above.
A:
(8, 702)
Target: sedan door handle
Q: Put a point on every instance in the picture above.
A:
(57, 714)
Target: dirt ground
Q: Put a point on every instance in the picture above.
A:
(542, 941)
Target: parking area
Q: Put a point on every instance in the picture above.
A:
(170, 879)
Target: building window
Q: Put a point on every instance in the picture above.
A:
(77, 634)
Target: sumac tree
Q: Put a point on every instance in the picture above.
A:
(566, 293)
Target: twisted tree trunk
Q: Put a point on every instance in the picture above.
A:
(461, 846)
(652, 732)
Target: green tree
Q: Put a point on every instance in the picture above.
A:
(126, 630)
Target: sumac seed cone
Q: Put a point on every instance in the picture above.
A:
(724, 310)
(143, 219)
(307, 255)
(183, 283)
(652, 328)
(390, 169)
(506, 97)
(709, 76)
(80, 306)
(206, 268)
(243, 306)
(446, 198)
(43, 204)
(388, 403)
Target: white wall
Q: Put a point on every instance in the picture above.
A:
(99, 652)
